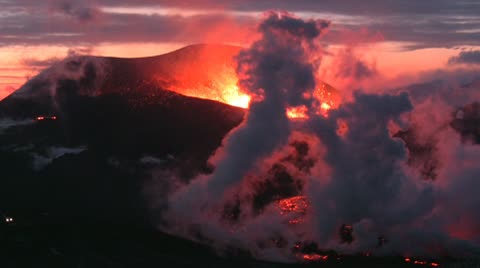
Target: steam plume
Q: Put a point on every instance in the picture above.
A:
(351, 166)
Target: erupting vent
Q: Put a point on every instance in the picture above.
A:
(326, 97)
(297, 204)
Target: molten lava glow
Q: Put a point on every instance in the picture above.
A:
(296, 221)
(202, 73)
(43, 118)
(314, 257)
(212, 75)
(422, 262)
(325, 106)
(223, 89)
(299, 112)
(296, 204)
(326, 97)
(232, 96)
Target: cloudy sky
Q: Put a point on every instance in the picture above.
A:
(398, 36)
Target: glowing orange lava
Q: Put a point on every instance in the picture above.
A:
(222, 88)
(201, 71)
(422, 262)
(326, 95)
(299, 112)
(296, 204)
(208, 73)
(314, 257)
(296, 221)
(43, 118)
(325, 106)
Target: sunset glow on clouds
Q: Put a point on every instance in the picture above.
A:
(398, 37)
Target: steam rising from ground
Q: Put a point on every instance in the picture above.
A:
(87, 71)
(277, 70)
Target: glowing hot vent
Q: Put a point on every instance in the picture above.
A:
(233, 97)
(207, 72)
(296, 204)
(299, 112)
(210, 73)
(327, 98)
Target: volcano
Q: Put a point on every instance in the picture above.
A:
(83, 138)
(79, 141)
(124, 106)
(204, 71)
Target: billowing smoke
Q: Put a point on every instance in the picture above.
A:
(277, 70)
(385, 173)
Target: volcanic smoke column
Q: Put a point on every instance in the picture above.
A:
(278, 70)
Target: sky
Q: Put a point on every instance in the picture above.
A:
(397, 37)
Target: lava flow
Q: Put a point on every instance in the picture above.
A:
(314, 257)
